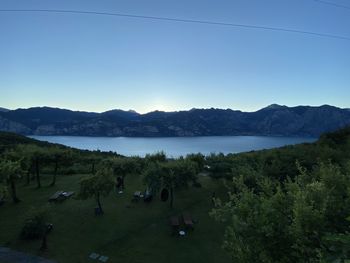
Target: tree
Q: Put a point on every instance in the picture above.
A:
(220, 165)
(255, 222)
(156, 157)
(171, 175)
(198, 158)
(125, 166)
(10, 171)
(337, 248)
(288, 221)
(59, 156)
(97, 185)
(92, 159)
(19, 153)
(177, 175)
(35, 155)
(152, 177)
(3, 191)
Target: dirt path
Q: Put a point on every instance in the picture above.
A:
(11, 256)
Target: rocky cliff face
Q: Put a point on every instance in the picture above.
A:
(12, 126)
(273, 120)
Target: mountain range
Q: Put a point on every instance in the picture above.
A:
(274, 120)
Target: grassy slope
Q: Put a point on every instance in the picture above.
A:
(137, 234)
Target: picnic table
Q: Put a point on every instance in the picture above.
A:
(55, 196)
(174, 221)
(60, 196)
(187, 220)
(67, 194)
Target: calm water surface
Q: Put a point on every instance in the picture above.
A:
(174, 146)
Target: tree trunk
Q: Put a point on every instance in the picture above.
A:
(171, 197)
(93, 168)
(99, 202)
(28, 177)
(37, 172)
(54, 173)
(44, 241)
(13, 190)
(123, 186)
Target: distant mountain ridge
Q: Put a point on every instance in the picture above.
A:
(273, 120)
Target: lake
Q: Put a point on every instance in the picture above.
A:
(174, 146)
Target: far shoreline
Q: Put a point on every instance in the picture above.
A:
(175, 146)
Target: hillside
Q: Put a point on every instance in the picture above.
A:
(273, 120)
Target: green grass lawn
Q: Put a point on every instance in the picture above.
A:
(127, 232)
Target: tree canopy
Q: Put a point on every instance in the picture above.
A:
(288, 221)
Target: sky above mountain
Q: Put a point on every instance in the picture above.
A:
(96, 63)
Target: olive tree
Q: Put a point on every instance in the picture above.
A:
(59, 157)
(171, 175)
(10, 171)
(97, 185)
(36, 156)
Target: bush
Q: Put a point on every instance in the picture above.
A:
(35, 225)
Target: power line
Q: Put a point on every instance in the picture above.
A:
(332, 4)
(158, 18)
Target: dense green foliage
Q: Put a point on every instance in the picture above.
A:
(289, 204)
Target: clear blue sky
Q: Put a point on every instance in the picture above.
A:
(96, 63)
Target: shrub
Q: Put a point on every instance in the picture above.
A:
(35, 224)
